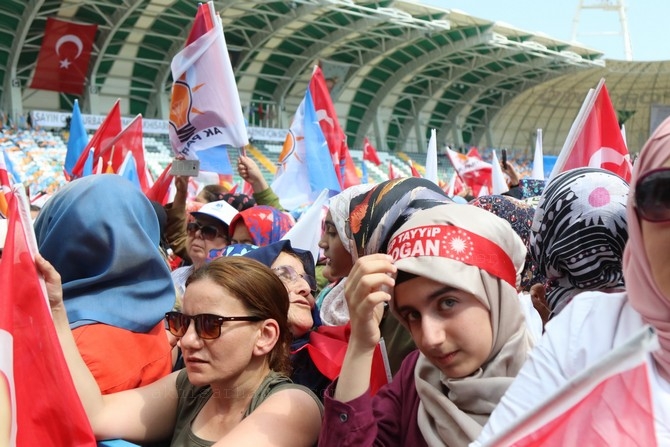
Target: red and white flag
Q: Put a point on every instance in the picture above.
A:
(160, 190)
(370, 153)
(128, 140)
(4, 186)
(63, 60)
(415, 172)
(103, 136)
(595, 138)
(38, 401)
(392, 173)
(475, 173)
(345, 169)
(609, 404)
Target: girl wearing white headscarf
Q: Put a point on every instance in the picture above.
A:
(593, 324)
(453, 270)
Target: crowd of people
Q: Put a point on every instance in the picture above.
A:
(202, 322)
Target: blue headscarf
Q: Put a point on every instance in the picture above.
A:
(101, 233)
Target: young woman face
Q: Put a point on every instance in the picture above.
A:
(450, 327)
(223, 359)
(301, 301)
(198, 246)
(338, 259)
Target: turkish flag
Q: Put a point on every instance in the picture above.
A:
(595, 138)
(415, 172)
(62, 63)
(128, 140)
(39, 402)
(370, 153)
(103, 136)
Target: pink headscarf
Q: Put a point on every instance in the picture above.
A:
(643, 292)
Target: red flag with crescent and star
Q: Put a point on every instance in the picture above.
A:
(63, 60)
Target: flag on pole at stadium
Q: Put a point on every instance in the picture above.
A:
(392, 173)
(474, 172)
(498, 183)
(205, 112)
(607, 404)
(77, 140)
(431, 158)
(159, 191)
(62, 63)
(538, 158)
(130, 139)
(306, 166)
(108, 130)
(370, 153)
(39, 400)
(415, 172)
(364, 172)
(128, 170)
(595, 138)
(332, 131)
(306, 232)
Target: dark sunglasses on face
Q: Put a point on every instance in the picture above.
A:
(208, 232)
(288, 276)
(207, 326)
(652, 195)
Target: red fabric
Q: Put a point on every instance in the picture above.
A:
(4, 186)
(201, 24)
(370, 153)
(120, 359)
(599, 142)
(128, 140)
(474, 172)
(391, 172)
(415, 173)
(48, 410)
(107, 131)
(327, 346)
(62, 63)
(619, 411)
(159, 191)
(330, 126)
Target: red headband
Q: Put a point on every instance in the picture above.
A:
(449, 241)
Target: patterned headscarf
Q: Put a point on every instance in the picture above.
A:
(101, 233)
(520, 216)
(643, 292)
(339, 209)
(240, 202)
(579, 232)
(373, 217)
(266, 224)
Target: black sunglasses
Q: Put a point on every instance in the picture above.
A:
(208, 232)
(652, 195)
(207, 326)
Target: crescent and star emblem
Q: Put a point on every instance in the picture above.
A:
(69, 38)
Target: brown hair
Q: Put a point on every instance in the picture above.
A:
(262, 294)
(213, 192)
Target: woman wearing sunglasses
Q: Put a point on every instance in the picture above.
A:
(234, 389)
(594, 323)
(209, 231)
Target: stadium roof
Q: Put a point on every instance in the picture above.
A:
(399, 68)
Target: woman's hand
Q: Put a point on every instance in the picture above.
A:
(53, 282)
(369, 285)
(251, 173)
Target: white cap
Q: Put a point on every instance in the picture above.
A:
(220, 210)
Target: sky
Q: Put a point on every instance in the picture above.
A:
(648, 22)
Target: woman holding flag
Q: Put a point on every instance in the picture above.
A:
(234, 390)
